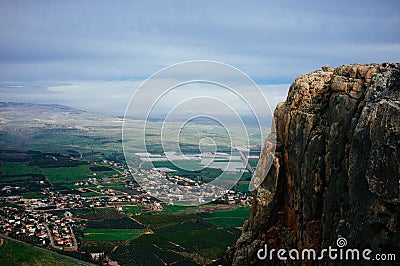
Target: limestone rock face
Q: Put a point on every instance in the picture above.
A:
(336, 167)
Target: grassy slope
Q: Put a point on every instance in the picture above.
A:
(189, 232)
(13, 253)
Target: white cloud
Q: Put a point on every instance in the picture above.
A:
(97, 96)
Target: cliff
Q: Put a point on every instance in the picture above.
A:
(336, 168)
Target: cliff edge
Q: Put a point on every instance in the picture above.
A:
(336, 168)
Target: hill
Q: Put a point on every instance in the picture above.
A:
(17, 253)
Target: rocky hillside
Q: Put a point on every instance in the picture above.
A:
(336, 168)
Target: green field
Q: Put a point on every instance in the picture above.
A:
(161, 221)
(90, 194)
(67, 175)
(253, 163)
(98, 213)
(230, 218)
(116, 186)
(34, 195)
(195, 234)
(131, 209)
(179, 239)
(13, 253)
(58, 169)
(18, 168)
(238, 212)
(226, 222)
(102, 234)
(21, 178)
(168, 209)
(200, 238)
(150, 249)
(243, 187)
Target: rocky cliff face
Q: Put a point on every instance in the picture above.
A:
(336, 168)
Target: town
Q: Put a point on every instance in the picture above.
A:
(49, 221)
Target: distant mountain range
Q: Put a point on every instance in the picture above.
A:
(56, 111)
(32, 116)
(34, 107)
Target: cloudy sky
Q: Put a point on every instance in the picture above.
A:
(92, 55)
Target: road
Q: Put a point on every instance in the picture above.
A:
(50, 236)
(75, 243)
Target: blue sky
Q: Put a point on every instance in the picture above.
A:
(84, 53)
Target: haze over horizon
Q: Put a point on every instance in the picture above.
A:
(93, 55)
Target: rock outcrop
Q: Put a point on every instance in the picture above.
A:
(336, 168)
